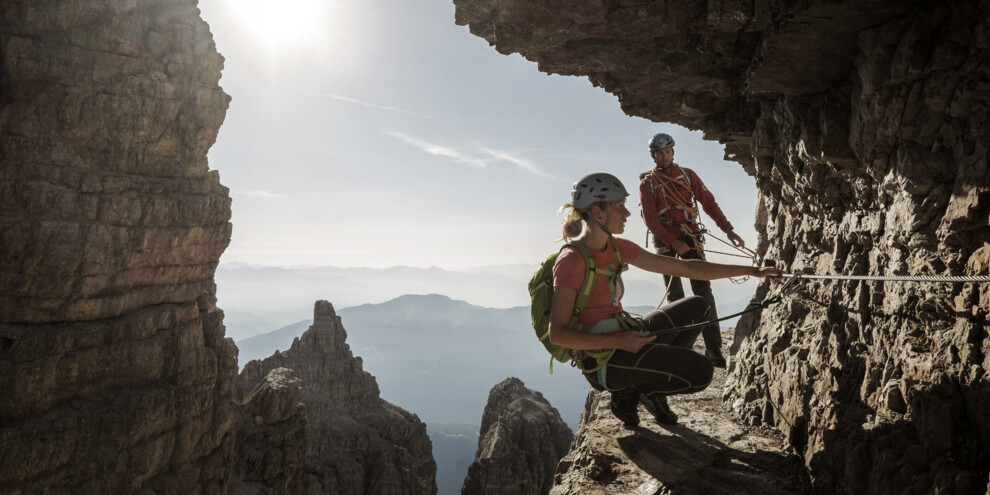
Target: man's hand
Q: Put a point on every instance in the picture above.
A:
(680, 246)
(736, 240)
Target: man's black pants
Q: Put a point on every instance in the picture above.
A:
(711, 333)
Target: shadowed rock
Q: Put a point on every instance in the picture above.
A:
(271, 437)
(115, 376)
(521, 439)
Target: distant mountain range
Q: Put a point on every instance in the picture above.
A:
(257, 299)
(280, 296)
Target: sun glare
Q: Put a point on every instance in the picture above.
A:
(279, 21)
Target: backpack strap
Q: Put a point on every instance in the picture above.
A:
(590, 277)
(590, 273)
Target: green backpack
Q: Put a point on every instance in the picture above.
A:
(541, 295)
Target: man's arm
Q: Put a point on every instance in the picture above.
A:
(708, 203)
(697, 269)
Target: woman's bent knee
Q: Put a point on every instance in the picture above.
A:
(698, 304)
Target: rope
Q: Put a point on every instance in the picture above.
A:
(752, 306)
(666, 292)
(743, 249)
(666, 182)
(728, 254)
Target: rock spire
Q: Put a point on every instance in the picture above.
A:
(356, 443)
(521, 440)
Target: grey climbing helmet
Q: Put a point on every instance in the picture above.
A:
(597, 187)
(661, 141)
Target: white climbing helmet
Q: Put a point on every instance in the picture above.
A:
(597, 187)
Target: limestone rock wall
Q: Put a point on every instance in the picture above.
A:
(864, 125)
(114, 370)
(108, 110)
(356, 443)
(521, 440)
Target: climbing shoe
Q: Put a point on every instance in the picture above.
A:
(623, 405)
(656, 404)
(716, 357)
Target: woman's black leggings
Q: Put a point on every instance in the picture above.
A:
(666, 365)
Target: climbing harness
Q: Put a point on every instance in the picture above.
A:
(623, 322)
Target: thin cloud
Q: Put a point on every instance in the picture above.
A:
(435, 149)
(475, 161)
(379, 107)
(519, 162)
(259, 194)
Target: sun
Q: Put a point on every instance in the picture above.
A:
(282, 21)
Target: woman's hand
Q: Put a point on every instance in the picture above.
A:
(633, 341)
(766, 271)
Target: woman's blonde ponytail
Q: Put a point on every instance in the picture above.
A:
(573, 224)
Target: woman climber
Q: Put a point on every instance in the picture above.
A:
(615, 351)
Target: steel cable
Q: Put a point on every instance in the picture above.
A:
(897, 278)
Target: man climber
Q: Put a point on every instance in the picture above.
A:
(669, 195)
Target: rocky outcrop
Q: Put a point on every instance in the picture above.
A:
(355, 441)
(271, 437)
(865, 126)
(521, 440)
(115, 375)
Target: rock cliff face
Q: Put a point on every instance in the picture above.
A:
(521, 440)
(865, 126)
(115, 375)
(355, 441)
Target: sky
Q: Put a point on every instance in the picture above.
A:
(379, 133)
